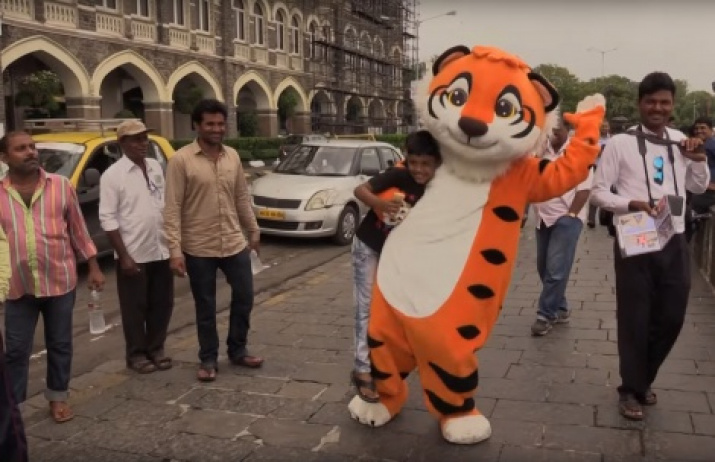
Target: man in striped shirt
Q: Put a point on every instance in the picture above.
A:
(41, 216)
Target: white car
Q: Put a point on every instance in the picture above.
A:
(310, 192)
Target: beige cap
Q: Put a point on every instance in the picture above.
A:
(131, 127)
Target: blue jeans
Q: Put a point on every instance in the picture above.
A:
(364, 268)
(555, 252)
(202, 278)
(20, 321)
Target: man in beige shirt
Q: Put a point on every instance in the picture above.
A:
(207, 205)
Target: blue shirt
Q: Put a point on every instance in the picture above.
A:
(710, 152)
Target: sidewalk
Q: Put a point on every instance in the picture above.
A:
(549, 399)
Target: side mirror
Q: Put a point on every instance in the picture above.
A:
(91, 177)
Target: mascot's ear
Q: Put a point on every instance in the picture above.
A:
(547, 91)
(449, 56)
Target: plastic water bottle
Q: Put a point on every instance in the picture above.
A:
(96, 315)
(256, 264)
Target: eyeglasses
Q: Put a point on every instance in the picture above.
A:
(658, 164)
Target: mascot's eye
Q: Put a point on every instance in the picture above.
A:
(505, 108)
(457, 97)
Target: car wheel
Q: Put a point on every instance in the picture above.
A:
(347, 225)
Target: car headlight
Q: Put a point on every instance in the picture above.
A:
(322, 199)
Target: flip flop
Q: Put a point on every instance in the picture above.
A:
(206, 373)
(360, 385)
(163, 363)
(142, 366)
(649, 398)
(61, 412)
(630, 408)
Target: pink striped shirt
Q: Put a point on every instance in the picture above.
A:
(42, 237)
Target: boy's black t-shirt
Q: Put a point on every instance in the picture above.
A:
(372, 230)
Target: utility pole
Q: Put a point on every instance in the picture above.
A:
(603, 58)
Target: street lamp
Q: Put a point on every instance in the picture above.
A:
(603, 58)
(418, 23)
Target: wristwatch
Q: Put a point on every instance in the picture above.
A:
(572, 215)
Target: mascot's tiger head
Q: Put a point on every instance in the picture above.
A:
(486, 108)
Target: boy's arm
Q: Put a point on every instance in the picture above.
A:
(367, 192)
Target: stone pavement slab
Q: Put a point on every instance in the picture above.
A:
(549, 399)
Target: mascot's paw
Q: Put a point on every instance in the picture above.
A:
(591, 102)
(470, 429)
(588, 118)
(372, 414)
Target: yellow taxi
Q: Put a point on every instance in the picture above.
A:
(82, 150)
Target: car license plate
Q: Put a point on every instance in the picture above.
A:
(272, 214)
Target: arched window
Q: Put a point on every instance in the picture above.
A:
(259, 23)
(295, 36)
(280, 31)
(240, 20)
(312, 36)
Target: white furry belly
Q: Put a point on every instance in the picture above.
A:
(423, 258)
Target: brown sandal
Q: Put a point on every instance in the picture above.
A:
(630, 408)
(649, 398)
(61, 411)
(361, 385)
(142, 366)
(206, 373)
(162, 363)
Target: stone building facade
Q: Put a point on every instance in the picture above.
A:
(344, 62)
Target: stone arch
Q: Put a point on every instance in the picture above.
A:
(264, 98)
(74, 76)
(301, 20)
(350, 36)
(139, 68)
(194, 68)
(292, 83)
(359, 100)
(267, 10)
(376, 108)
(365, 41)
(280, 6)
(326, 29)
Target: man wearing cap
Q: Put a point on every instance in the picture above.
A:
(131, 204)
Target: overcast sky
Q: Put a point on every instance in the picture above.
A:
(675, 36)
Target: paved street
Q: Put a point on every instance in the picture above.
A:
(549, 399)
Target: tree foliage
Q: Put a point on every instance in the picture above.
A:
(40, 91)
(622, 95)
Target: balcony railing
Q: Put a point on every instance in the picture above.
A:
(241, 51)
(205, 44)
(143, 31)
(260, 55)
(296, 63)
(60, 14)
(21, 9)
(179, 38)
(110, 24)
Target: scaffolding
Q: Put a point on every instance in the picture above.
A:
(364, 51)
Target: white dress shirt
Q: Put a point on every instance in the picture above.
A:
(621, 165)
(128, 204)
(550, 211)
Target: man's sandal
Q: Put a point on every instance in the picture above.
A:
(361, 385)
(162, 363)
(630, 408)
(649, 398)
(61, 411)
(142, 366)
(206, 373)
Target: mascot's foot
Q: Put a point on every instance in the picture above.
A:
(470, 429)
(372, 414)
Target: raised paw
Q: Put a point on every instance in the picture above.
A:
(372, 414)
(591, 102)
(469, 429)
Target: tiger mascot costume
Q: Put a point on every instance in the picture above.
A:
(444, 271)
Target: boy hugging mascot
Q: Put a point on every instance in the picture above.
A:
(444, 272)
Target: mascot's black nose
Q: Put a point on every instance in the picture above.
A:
(472, 127)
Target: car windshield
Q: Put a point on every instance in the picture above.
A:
(59, 158)
(318, 161)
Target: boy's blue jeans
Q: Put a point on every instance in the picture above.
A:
(555, 252)
(364, 268)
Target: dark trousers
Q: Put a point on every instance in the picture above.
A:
(20, 321)
(202, 277)
(13, 444)
(701, 203)
(146, 301)
(651, 298)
